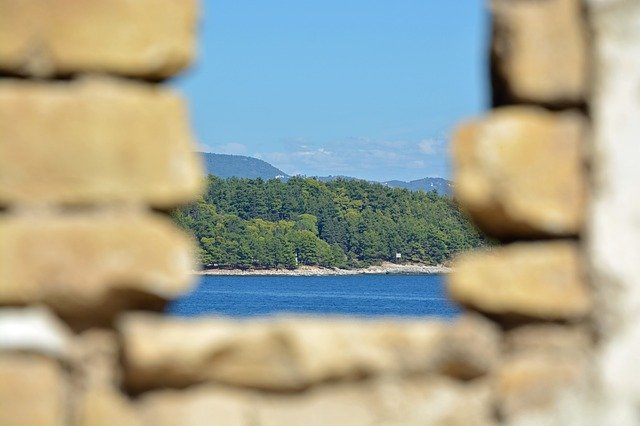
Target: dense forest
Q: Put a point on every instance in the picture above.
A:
(252, 223)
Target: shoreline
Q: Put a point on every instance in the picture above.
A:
(384, 269)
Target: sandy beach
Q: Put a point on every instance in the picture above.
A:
(385, 268)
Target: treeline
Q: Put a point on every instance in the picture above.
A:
(249, 223)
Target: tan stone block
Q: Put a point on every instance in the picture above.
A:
(88, 266)
(519, 172)
(549, 338)
(539, 52)
(145, 38)
(292, 354)
(95, 140)
(96, 359)
(197, 406)
(33, 391)
(541, 280)
(528, 384)
(104, 406)
(341, 405)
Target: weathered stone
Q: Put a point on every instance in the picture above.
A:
(539, 52)
(95, 140)
(541, 280)
(296, 353)
(104, 406)
(144, 38)
(96, 359)
(432, 401)
(34, 330)
(613, 228)
(88, 266)
(33, 391)
(519, 172)
(200, 406)
(549, 338)
(530, 383)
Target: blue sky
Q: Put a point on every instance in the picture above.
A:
(363, 88)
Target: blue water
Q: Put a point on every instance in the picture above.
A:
(355, 295)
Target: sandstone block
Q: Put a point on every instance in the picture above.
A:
(519, 172)
(33, 391)
(34, 330)
(88, 266)
(95, 141)
(539, 52)
(549, 338)
(540, 280)
(96, 359)
(197, 406)
(530, 383)
(297, 353)
(104, 406)
(147, 39)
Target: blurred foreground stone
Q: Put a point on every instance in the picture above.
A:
(143, 38)
(88, 266)
(519, 172)
(95, 141)
(539, 280)
(539, 52)
(33, 391)
(295, 354)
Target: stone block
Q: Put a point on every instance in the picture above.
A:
(33, 391)
(294, 354)
(89, 266)
(530, 384)
(539, 52)
(541, 280)
(519, 172)
(34, 330)
(104, 406)
(197, 406)
(149, 39)
(95, 140)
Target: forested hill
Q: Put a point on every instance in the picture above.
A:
(342, 223)
(240, 166)
(227, 166)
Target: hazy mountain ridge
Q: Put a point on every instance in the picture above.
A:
(226, 166)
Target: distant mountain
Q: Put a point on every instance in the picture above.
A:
(442, 186)
(225, 166)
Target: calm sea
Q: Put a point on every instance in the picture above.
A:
(356, 295)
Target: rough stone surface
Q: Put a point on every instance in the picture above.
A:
(95, 140)
(33, 391)
(96, 359)
(87, 266)
(539, 52)
(613, 229)
(296, 353)
(519, 172)
(34, 330)
(540, 280)
(549, 338)
(105, 406)
(145, 38)
(386, 401)
(199, 406)
(530, 383)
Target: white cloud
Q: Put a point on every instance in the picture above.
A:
(230, 148)
(430, 146)
(362, 157)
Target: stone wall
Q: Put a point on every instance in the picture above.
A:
(94, 149)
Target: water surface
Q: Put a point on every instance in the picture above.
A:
(353, 295)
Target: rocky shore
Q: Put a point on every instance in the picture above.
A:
(385, 268)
